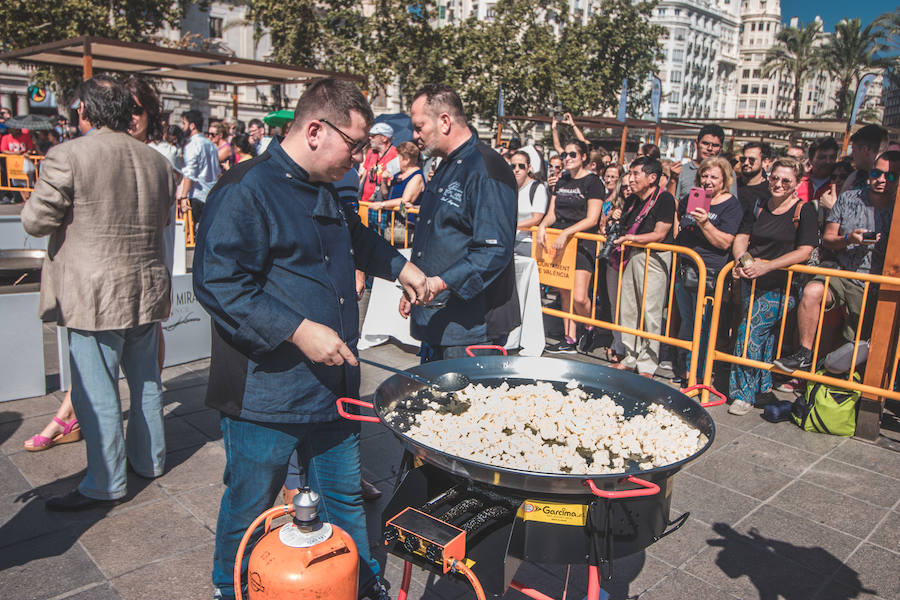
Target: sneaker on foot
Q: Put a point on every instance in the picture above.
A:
(561, 347)
(798, 361)
(740, 408)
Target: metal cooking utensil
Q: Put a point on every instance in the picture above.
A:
(446, 382)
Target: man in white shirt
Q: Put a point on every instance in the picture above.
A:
(201, 165)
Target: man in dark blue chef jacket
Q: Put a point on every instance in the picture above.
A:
(465, 234)
(274, 267)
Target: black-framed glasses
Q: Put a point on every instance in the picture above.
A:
(889, 176)
(521, 166)
(711, 145)
(355, 146)
(747, 159)
(572, 154)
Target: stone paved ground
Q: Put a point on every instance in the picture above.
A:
(775, 513)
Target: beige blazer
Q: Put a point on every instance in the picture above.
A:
(104, 200)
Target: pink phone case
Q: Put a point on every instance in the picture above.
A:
(697, 199)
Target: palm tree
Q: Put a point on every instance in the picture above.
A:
(796, 55)
(848, 54)
(888, 25)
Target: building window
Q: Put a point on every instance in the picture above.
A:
(754, 89)
(677, 11)
(215, 27)
(765, 89)
(678, 55)
(752, 26)
(742, 104)
(744, 89)
(762, 104)
(674, 97)
(676, 78)
(490, 13)
(442, 12)
(755, 73)
(746, 73)
(661, 12)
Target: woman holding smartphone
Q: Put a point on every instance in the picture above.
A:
(575, 206)
(710, 233)
(774, 234)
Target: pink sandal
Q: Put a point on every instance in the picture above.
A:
(71, 433)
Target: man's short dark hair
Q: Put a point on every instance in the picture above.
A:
(106, 102)
(255, 123)
(713, 130)
(442, 98)
(752, 146)
(823, 143)
(239, 127)
(871, 137)
(650, 166)
(332, 99)
(195, 117)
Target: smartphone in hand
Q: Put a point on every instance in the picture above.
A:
(870, 237)
(697, 199)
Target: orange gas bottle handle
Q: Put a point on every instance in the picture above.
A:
(277, 511)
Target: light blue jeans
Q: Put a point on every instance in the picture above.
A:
(95, 358)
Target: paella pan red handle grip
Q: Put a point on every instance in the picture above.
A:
(648, 488)
(484, 347)
(351, 417)
(722, 399)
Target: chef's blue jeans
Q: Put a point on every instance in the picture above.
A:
(257, 456)
(95, 358)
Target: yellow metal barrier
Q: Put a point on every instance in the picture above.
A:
(396, 219)
(12, 168)
(848, 383)
(692, 345)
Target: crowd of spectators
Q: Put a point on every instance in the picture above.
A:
(765, 212)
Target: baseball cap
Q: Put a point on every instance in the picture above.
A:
(382, 129)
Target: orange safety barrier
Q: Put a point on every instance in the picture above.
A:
(692, 345)
(398, 220)
(811, 375)
(188, 218)
(12, 169)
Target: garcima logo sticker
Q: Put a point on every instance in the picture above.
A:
(528, 507)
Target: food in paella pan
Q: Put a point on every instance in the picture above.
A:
(536, 427)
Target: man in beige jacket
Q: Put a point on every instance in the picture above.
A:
(104, 200)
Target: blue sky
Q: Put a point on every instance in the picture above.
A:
(833, 11)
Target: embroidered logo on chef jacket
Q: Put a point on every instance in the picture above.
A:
(452, 194)
(553, 512)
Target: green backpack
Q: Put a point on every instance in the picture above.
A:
(827, 409)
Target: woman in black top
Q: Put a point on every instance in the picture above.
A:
(710, 234)
(575, 206)
(775, 234)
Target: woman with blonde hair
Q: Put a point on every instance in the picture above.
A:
(710, 233)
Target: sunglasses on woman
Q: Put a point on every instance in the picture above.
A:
(889, 176)
(520, 166)
(572, 154)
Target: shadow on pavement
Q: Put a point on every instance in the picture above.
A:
(787, 582)
(10, 417)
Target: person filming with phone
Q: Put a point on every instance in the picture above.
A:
(709, 218)
(856, 232)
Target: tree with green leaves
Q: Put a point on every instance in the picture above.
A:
(795, 55)
(848, 55)
(888, 28)
(24, 23)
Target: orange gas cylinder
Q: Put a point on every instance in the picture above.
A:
(301, 560)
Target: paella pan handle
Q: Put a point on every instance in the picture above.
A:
(648, 488)
(484, 347)
(697, 387)
(352, 417)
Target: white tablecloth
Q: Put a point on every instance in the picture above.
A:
(383, 321)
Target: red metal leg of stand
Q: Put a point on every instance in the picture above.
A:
(407, 576)
(593, 583)
(530, 592)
